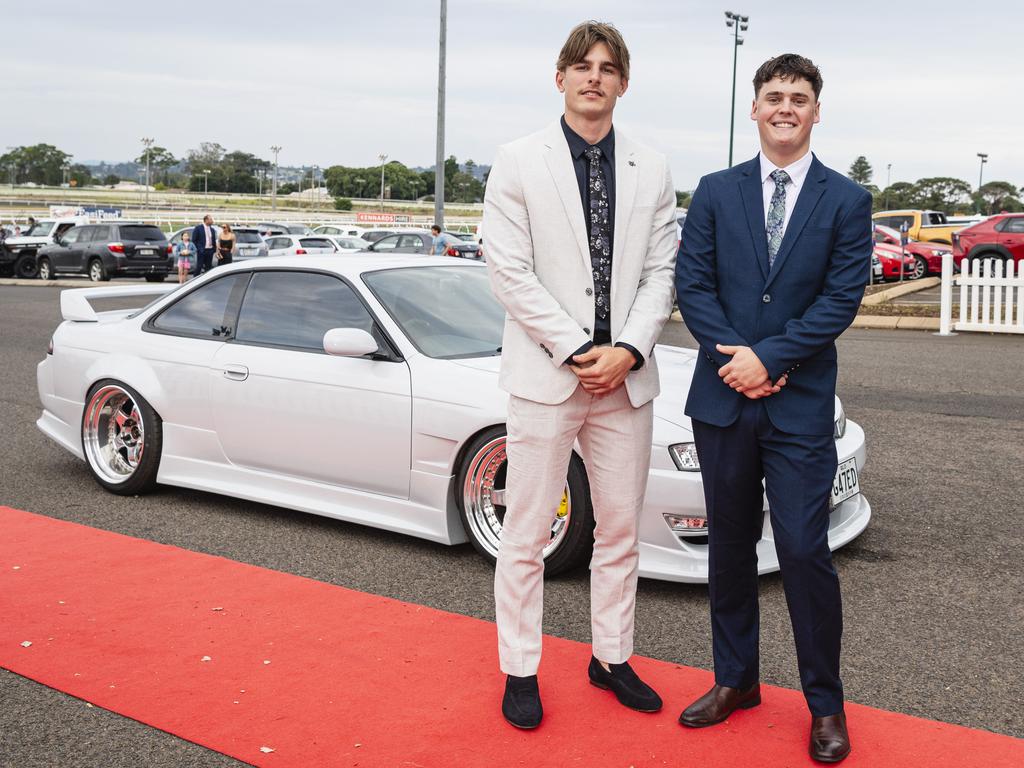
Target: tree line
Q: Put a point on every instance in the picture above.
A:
(211, 167)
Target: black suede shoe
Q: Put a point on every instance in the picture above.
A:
(521, 704)
(629, 689)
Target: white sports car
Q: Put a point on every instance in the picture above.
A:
(363, 389)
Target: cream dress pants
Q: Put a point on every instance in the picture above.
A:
(615, 444)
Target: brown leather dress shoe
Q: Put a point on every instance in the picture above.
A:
(830, 742)
(718, 703)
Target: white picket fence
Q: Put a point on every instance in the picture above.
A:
(990, 300)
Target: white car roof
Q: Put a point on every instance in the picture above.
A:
(352, 265)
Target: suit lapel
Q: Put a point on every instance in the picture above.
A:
(810, 193)
(559, 163)
(625, 193)
(753, 204)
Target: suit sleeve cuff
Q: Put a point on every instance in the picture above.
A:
(585, 348)
(639, 358)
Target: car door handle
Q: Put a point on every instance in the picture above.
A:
(235, 372)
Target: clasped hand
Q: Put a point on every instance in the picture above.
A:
(746, 373)
(601, 370)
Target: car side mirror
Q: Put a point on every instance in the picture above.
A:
(349, 342)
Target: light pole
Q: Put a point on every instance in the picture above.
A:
(888, 175)
(981, 172)
(738, 24)
(439, 160)
(314, 197)
(273, 194)
(382, 157)
(147, 143)
(206, 186)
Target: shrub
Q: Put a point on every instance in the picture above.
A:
(342, 204)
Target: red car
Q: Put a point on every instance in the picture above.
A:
(890, 256)
(927, 256)
(1000, 236)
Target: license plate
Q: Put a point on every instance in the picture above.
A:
(247, 251)
(845, 485)
(146, 252)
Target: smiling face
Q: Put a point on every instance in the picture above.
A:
(591, 86)
(785, 111)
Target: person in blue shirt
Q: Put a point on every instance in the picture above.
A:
(441, 241)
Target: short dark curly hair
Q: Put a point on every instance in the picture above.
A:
(788, 66)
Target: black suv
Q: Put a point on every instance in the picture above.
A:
(102, 251)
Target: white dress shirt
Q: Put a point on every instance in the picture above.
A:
(797, 173)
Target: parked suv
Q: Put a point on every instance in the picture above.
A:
(18, 252)
(102, 251)
(998, 237)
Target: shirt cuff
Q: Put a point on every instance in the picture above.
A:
(585, 348)
(637, 355)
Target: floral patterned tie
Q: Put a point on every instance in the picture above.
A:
(776, 214)
(600, 234)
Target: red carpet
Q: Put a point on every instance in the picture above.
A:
(325, 676)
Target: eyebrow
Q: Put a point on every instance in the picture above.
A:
(795, 95)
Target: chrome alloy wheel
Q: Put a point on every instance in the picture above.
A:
(113, 434)
(483, 497)
(96, 271)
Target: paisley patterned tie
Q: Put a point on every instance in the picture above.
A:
(600, 234)
(776, 214)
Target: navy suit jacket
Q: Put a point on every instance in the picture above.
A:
(790, 315)
(199, 237)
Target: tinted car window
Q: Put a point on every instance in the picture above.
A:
(276, 243)
(203, 312)
(410, 241)
(1016, 224)
(387, 243)
(141, 232)
(100, 234)
(248, 237)
(74, 235)
(296, 309)
(317, 242)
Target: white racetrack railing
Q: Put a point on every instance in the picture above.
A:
(991, 296)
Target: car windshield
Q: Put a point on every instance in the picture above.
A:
(247, 237)
(39, 229)
(446, 312)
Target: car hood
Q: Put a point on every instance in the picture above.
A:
(675, 366)
(19, 240)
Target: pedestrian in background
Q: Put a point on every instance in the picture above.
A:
(185, 256)
(204, 240)
(440, 243)
(226, 245)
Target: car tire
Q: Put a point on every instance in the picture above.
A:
(920, 268)
(25, 267)
(98, 271)
(155, 278)
(45, 269)
(482, 472)
(122, 438)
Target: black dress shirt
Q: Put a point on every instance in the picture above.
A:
(581, 165)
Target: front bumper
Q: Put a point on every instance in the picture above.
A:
(667, 556)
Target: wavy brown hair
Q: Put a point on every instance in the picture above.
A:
(585, 36)
(788, 66)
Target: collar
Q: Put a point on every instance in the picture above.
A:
(797, 170)
(578, 145)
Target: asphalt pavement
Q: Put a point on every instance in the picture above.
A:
(934, 618)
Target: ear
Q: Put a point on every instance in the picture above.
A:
(817, 112)
(624, 86)
(560, 81)
(753, 110)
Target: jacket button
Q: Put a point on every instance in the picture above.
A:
(767, 298)
(589, 291)
(586, 331)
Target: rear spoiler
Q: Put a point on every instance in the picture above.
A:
(75, 306)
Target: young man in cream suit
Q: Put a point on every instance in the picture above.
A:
(581, 247)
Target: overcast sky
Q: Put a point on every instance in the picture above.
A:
(923, 86)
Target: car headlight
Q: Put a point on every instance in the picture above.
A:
(936, 252)
(685, 456)
(840, 423)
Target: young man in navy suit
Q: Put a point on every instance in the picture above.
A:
(204, 236)
(774, 258)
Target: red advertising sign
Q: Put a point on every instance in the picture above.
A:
(378, 217)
